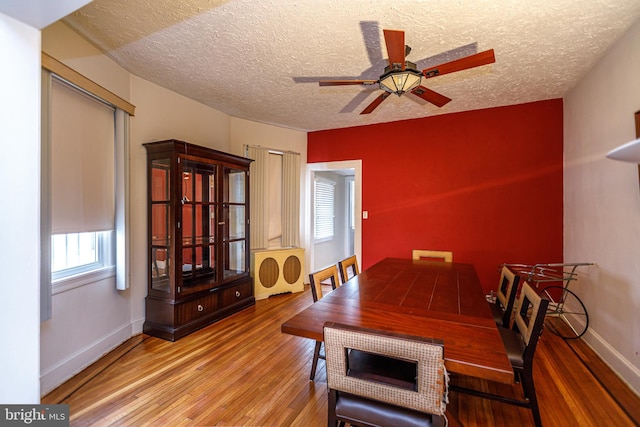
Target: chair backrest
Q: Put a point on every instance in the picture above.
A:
(425, 355)
(506, 294)
(320, 276)
(531, 309)
(446, 256)
(347, 264)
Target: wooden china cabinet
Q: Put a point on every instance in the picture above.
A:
(198, 235)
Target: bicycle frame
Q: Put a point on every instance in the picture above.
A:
(564, 273)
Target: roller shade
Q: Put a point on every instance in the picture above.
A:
(82, 161)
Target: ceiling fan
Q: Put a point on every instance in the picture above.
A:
(401, 76)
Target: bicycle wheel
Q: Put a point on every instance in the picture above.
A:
(565, 305)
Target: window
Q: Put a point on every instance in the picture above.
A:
(324, 194)
(73, 254)
(83, 148)
(81, 186)
(84, 205)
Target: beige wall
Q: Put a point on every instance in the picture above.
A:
(160, 114)
(246, 132)
(254, 133)
(66, 46)
(79, 331)
(602, 203)
(163, 114)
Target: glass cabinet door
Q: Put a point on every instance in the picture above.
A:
(235, 222)
(198, 211)
(160, 236)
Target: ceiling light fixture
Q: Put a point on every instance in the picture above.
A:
(398, 80)
(629, 152)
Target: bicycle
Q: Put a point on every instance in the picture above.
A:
(563, 302)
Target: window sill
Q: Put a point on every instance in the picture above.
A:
(323, 239)
(82, 279)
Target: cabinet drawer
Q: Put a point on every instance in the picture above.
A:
(188, 311)
(235, 294)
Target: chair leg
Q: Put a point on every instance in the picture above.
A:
(530, 394)
(332, 419)
(437, 421)
(314, 363)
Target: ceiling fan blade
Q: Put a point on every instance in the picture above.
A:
(431, 96)
(482, 58)
(375, 103)
(395, 47)
(346, 82)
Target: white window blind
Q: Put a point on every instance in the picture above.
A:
(82, 162)
(291, 199)
(324, 195)
(275, 199)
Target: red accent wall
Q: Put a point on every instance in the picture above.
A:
(485, 184)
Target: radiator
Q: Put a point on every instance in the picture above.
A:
(277, 271)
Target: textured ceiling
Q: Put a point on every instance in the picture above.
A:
(261, 60)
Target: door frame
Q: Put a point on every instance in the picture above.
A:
(312, 168)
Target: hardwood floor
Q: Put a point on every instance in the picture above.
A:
(244, 371)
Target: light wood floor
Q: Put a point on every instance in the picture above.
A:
(244, 371)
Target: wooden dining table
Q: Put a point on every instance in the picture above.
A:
(424, 298)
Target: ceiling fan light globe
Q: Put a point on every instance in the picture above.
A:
(399, 82)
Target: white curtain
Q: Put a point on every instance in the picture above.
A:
(265, 185)
(45, 202)
(122, 200)
(274, 211)
(291, 199)
(259, 182)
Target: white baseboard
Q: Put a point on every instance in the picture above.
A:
(136, 327)
(629, 373)
(74, 364)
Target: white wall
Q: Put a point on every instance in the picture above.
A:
(40, 13)
(20, 213)
(602, 203)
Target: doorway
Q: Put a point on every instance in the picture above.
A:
(346, 239)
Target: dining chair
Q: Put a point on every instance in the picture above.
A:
(320, 277)
(446, 256)
(381, 378)
(520, 341)
(316, 279)
(502, 308)
(348, 265)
